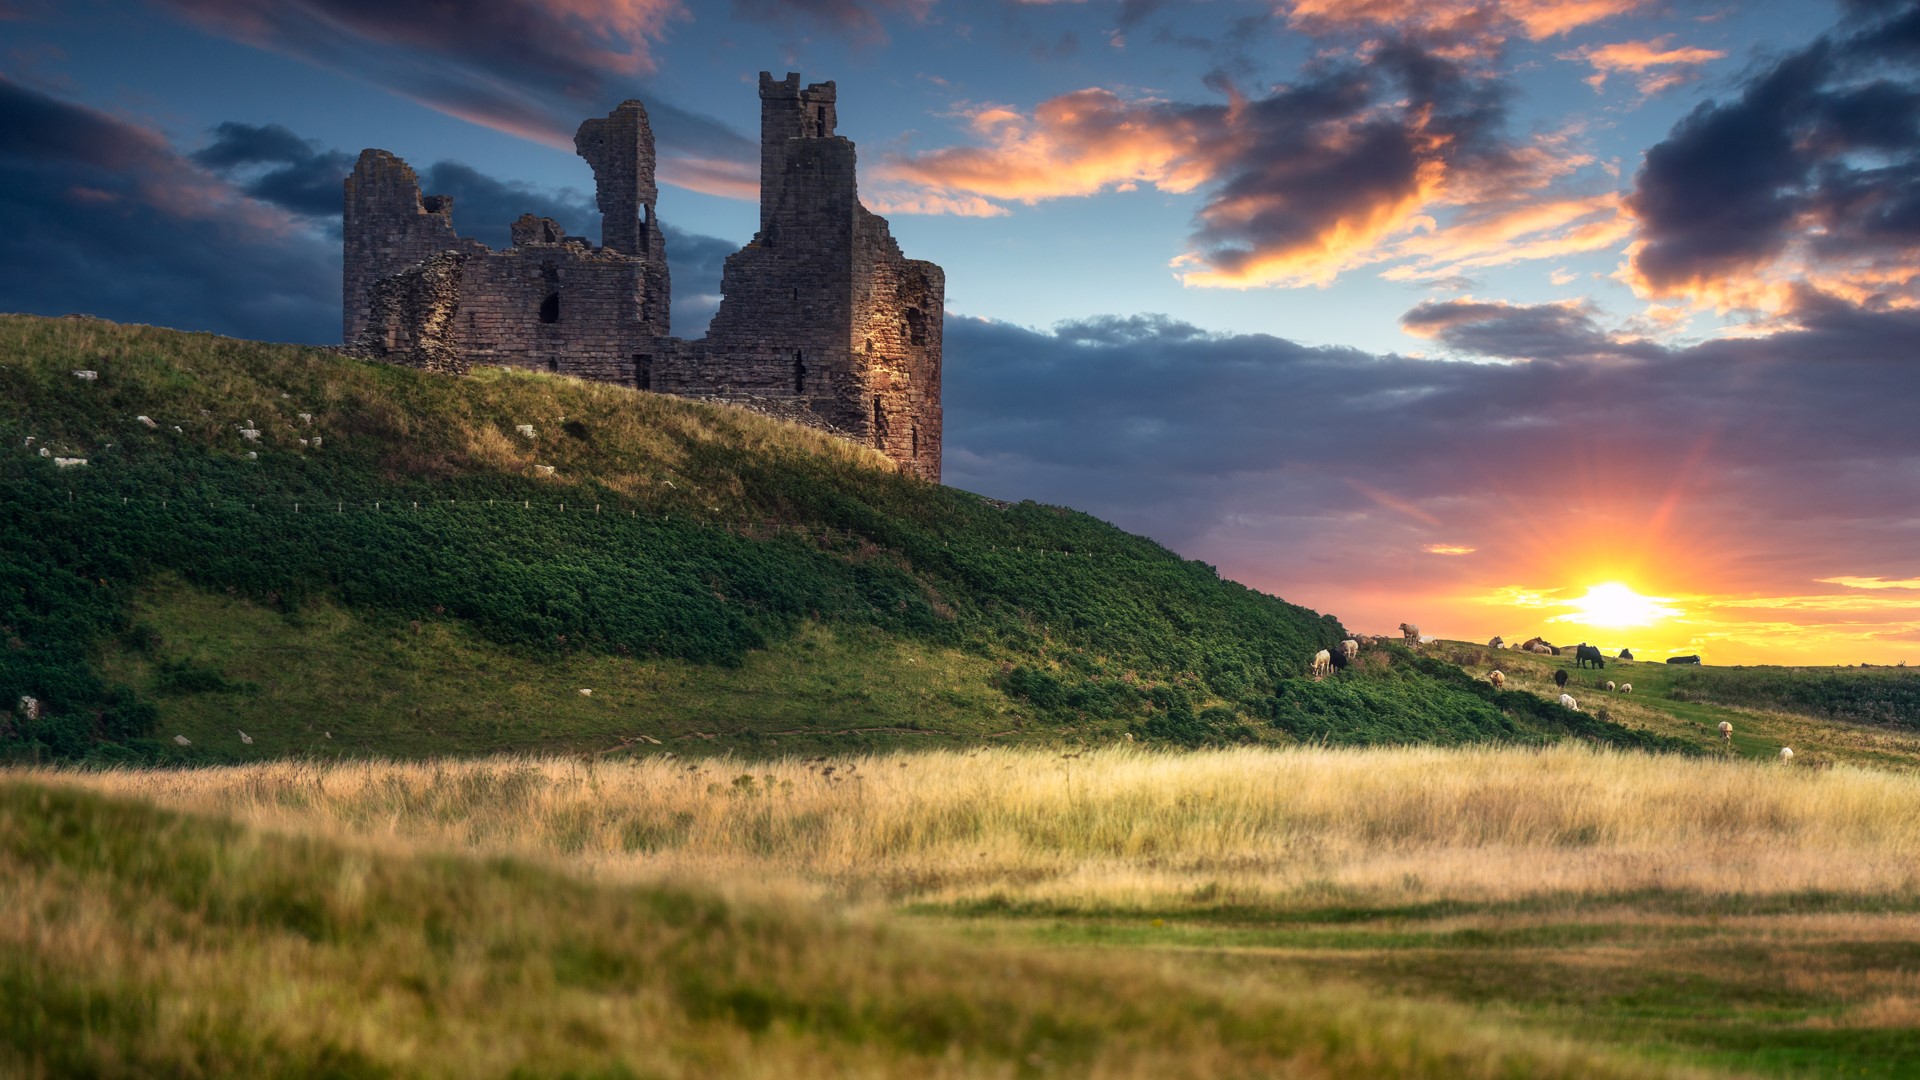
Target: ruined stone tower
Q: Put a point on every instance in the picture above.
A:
(822, 319)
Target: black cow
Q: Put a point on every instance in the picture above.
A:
(1584, 654)
(1560, 678)
(1626, 654)
(1339, 657)
(1683, 659)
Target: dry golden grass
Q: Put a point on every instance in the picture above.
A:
(1122, 829)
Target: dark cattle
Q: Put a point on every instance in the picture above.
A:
(1588, 654)
(1339, 658)
(1683, 659)
(1560, 678)
(1626, 654)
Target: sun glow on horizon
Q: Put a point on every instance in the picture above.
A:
(1612, 605)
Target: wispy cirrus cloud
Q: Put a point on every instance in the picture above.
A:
(531, 68)
(1468, 23)
(1659, 66)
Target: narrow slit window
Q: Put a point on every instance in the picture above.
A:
(799, 372)
(879, 424)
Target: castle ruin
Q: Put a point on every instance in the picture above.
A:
(822, 319)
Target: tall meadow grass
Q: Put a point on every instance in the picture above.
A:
(1120, 828)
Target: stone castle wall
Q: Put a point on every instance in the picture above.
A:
(822, 319)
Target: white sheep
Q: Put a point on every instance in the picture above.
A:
(1567, 700)
(1786, 755)
(586, 692)
(1350, 647)
(1543, 650)
(1610, 687)
(1498, 678)
(245, 738)
(1626, 688)
(1322, 663)
(183, 740)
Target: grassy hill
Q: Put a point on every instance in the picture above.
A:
(339, 557)
(1860, 716)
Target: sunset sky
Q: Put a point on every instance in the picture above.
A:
(1444, 311)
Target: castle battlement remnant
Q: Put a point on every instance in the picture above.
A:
(821, 319)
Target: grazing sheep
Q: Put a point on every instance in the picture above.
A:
(1350, 647)
(1410, 634)
(245, 738)
(585, 692)
(1560, 678)
(1786, 755)
(1543, 650)
(1567, 700)
(183, 740)
(1322, 663)
(1498, 678)
(1610, 687)
(1626, 688)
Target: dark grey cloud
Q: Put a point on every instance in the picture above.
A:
(240, 237)
(272, 164)
(1282, 462)
(101, 216)
(1820, 146)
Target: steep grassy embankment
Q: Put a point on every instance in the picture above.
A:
(343, 557)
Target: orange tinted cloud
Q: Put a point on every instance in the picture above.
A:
(1502, 235)
(1642, 57)
(1299, 187)
(1076, 144)
(1490, 20)
(1448, 549)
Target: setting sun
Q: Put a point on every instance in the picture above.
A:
(1615, 605)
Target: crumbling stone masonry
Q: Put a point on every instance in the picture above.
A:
(822, 319)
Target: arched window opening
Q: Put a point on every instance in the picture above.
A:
(553, 363)
(799, 372)
(550, 308)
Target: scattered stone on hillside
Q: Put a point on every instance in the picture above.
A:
(251, 434)
(69, 462)
(306, 418)
(29, 443)
(543, 470)
(524, 429)
(182, 740)
(86, 376)
(253, 455)
(177, 431)
(316, 442)
(586, 691)
(29, 707)
(44, 452)
(147, 420)
(306, 442)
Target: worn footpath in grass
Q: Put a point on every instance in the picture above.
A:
(136, 941)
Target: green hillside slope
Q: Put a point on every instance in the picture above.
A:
(359, 558)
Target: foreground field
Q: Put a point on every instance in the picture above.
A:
(1694, 912)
